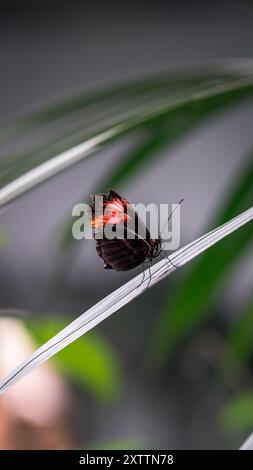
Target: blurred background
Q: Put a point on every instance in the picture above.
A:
(173, 369)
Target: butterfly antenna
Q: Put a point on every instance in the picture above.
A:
(172, 212)
(175, 208)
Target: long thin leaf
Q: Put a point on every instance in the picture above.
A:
(189, 304)
(122, 296)
(63, 126)
(248, 443)
(27, 170)
(98, 373)
(97, 100)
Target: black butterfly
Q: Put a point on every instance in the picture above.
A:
(121, 254)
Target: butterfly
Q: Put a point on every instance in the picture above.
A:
(121, 254)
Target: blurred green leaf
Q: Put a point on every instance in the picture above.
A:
(163, 133)
(240, 340)
(110, 117)
(239, 346)
(236, 415)
(90, 361)
(97, 101)
(190, 302)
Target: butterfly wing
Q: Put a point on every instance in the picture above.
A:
(121, 254)
(129, 251)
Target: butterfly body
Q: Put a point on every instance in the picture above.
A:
(121, 254)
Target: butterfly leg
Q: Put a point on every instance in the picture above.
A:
(143, 276)
(150, 276)
(168, 258)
